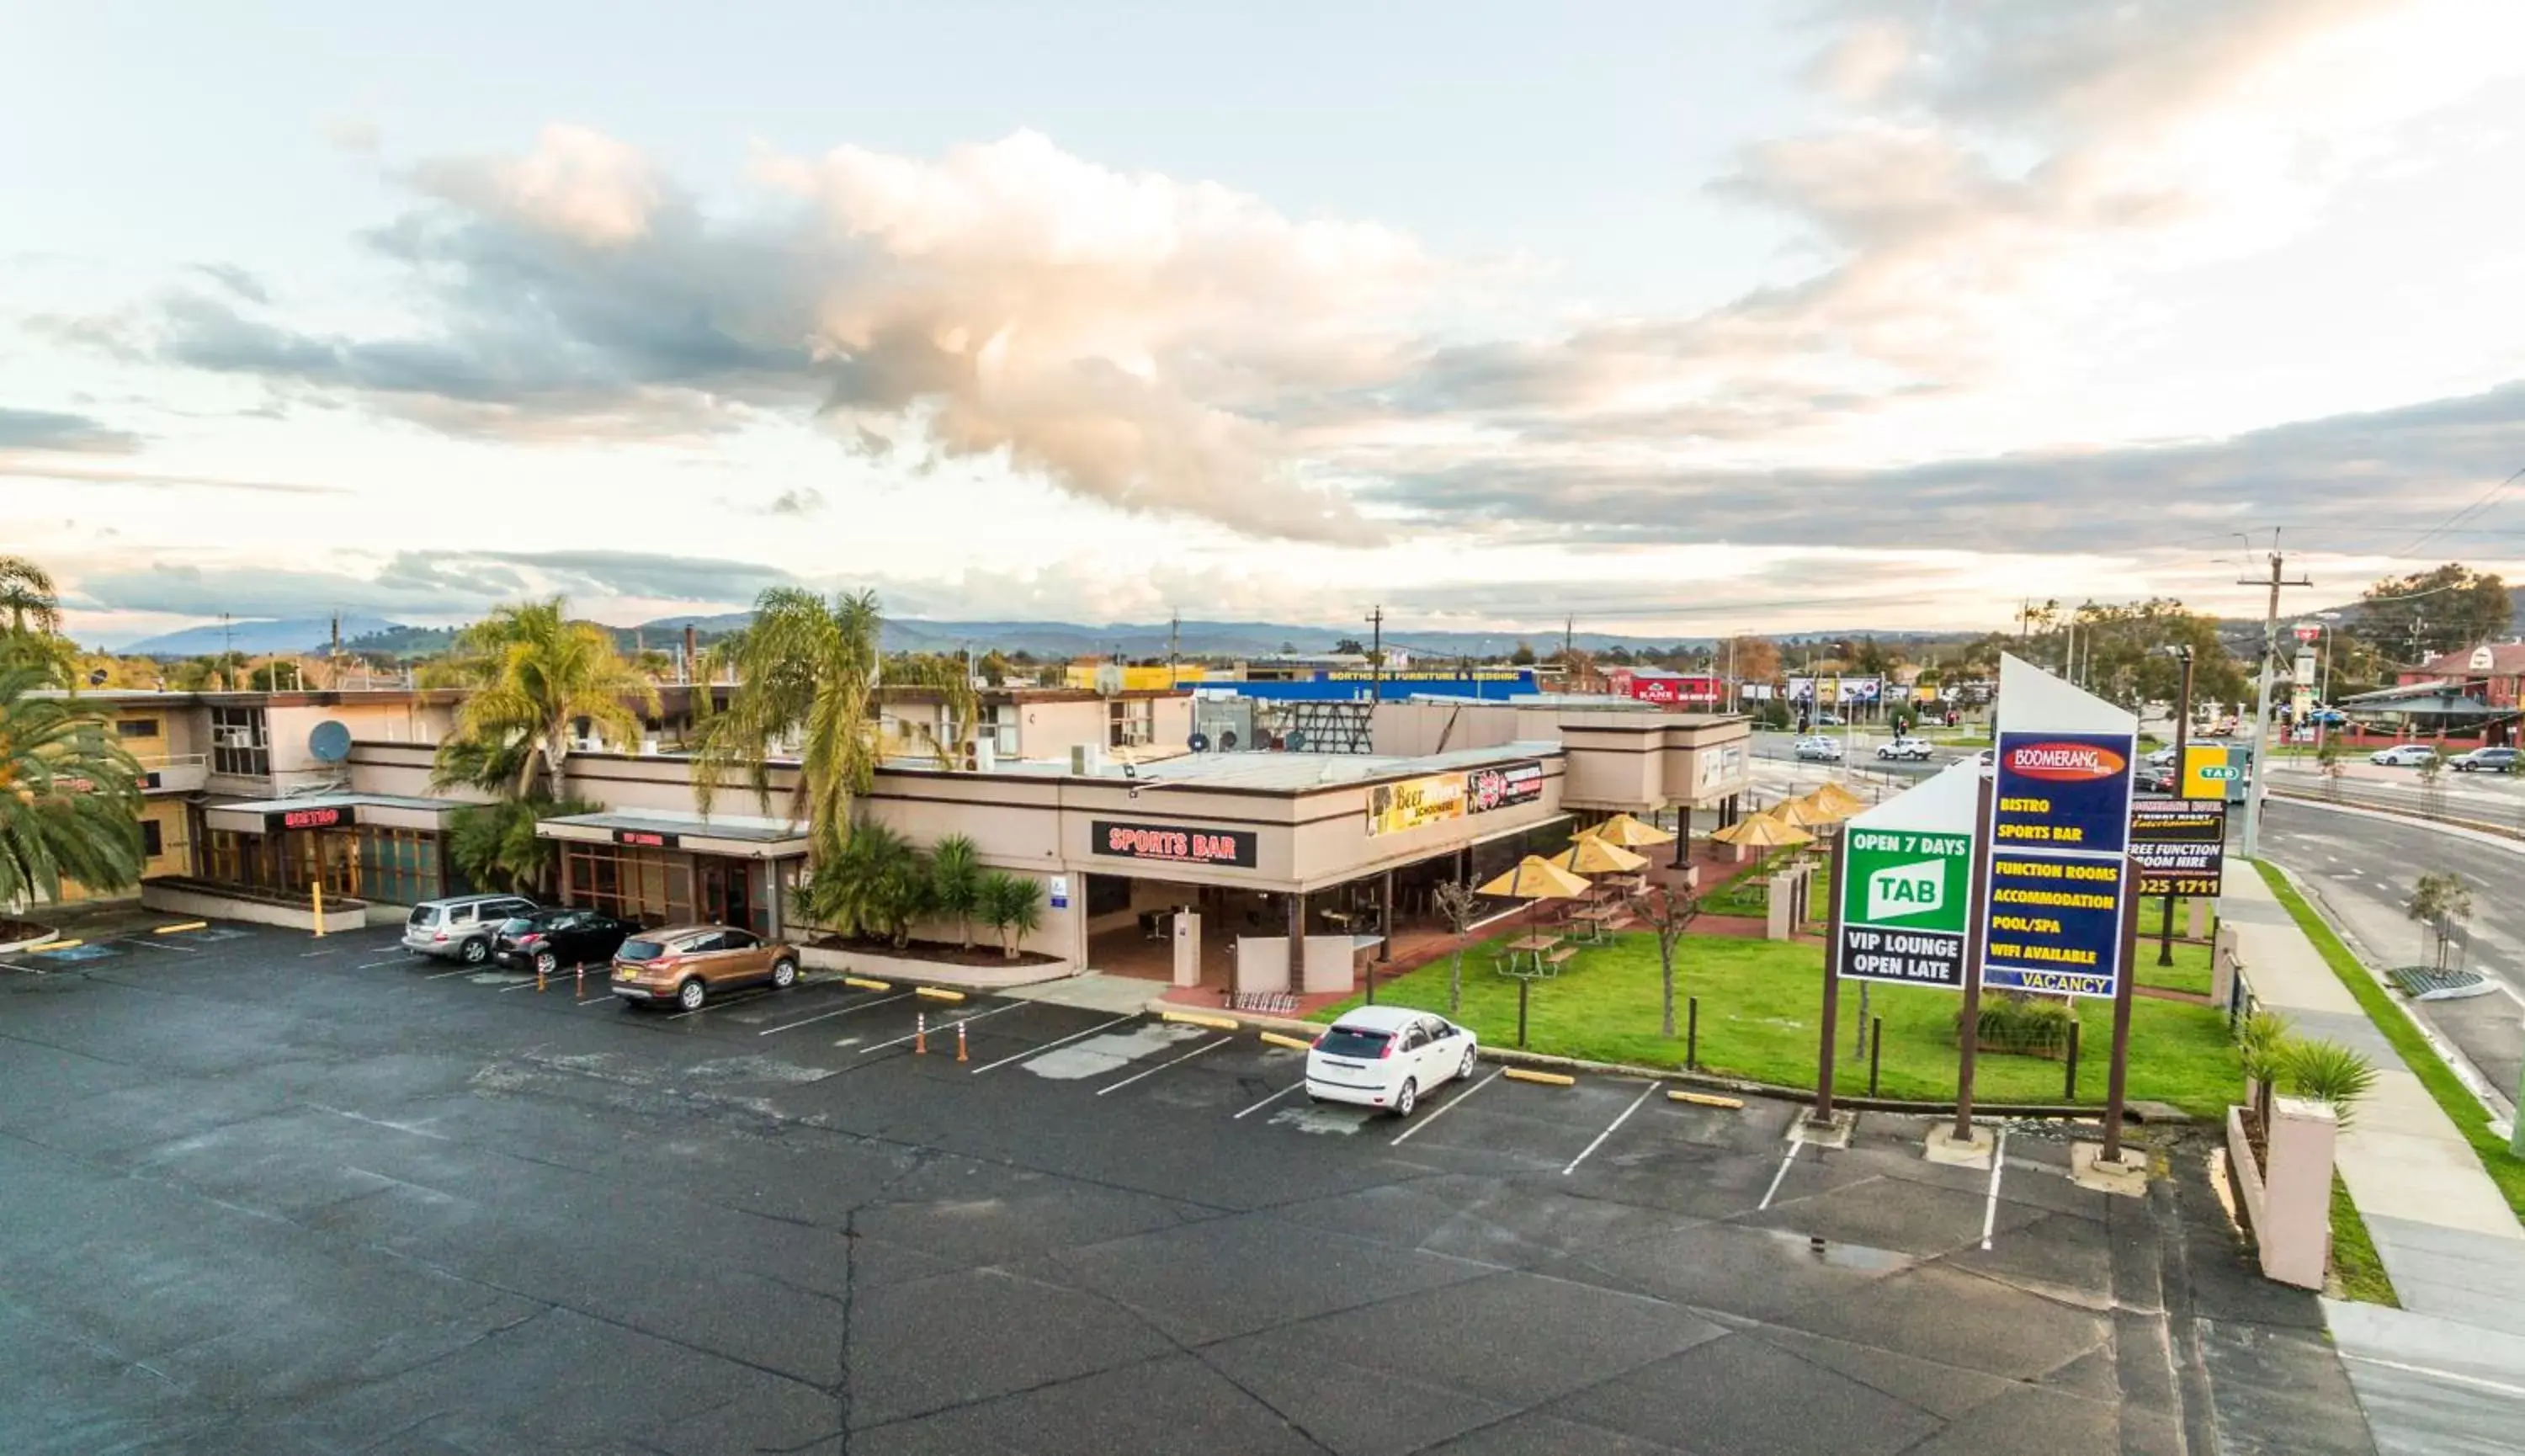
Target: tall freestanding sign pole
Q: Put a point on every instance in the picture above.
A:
(1832, 959)
(1977, 929)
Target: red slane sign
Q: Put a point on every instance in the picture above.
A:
(2067, 763)
(1175, 843)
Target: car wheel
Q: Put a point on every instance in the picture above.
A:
(691, 994)
(1407, 1097)
(1464, 1068)
(784, 973)
(546, 962)
(476, 951)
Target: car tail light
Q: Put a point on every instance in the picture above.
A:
(441, 935)
(530, 937)
(1389, 1049)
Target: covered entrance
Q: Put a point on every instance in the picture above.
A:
(661, 869)
(373, 847)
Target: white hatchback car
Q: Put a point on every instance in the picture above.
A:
(1820, 749)
(1388, 1057)
(1915, 749)
(2403, 755)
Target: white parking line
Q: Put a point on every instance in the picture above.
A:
(1452, 1104)
(607, 996)
(1267, 1101)
(189, 950)
(458, 971)
(943, 1027)
(1610, 1129)
(1773, 1191)
(523, 986)
(1162, 1066)
(371, 966)
(830, 1015)
(756, 993)
(1064, 1042)
(1990, 1214)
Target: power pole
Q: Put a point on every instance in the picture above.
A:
(1376, 655)
(1174, 640)
(2260, 767)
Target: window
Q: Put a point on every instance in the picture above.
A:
(736, 940)
(1002, 719)
(153, 838)
(239, 743)
(1133, 722)
(136, 728)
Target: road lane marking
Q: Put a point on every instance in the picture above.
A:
(830, 1015)
(1064, 1042)
(1451, 1105)
(1267, 1101)
(1162, 1066)
(943, 1027)
(1990, 1212)
(1614, 1127)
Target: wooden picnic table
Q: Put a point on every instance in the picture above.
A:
(1537, 944)
(1597, 917)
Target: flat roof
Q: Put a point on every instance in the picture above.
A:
(345, 801)
(743, 828)
(1287, 771)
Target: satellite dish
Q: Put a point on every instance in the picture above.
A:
(1109, 677)
(329, 741)
(1297, 740)
(1199, 743)
(1228, 742)
(96, 676)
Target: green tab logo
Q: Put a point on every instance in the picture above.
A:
(1898, 891)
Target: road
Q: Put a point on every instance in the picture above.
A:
(258, 1193)
(2363, 867)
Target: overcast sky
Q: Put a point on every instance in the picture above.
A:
(1682, 317)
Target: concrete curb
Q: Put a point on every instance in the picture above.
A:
(2144, 1114)
(49, 934)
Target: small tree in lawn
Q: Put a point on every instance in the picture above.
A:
(1667, 913)
(2327, 762)
(1458, 907)
(2440, 901)
(1012, 905)
(2432, 789)
(955, 882)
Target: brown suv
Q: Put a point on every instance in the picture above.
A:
(689, 964)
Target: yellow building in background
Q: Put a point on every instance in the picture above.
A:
(1082, 676)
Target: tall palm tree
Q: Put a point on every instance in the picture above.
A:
(27, 596)
(70, 795)
(534, 672)
(806, 677)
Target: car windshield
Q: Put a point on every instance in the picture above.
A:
(641, 950)
(424, 915)
(1355, 1041)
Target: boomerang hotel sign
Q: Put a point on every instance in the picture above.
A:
(2059, 823)
(2029, 818)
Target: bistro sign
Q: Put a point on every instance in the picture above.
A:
(319, 817)
(1174, 844)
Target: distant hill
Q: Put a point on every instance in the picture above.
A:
(1140, 639)
(266, 635)
(402, 643)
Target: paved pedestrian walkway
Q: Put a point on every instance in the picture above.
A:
(2447, 1373)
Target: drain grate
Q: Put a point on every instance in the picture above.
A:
(2429, 984)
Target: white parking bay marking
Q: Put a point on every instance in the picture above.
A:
(1990, 1213)
(458, 971)
(1267, 1101)
(830, 1015)
(1611, 1128)
(1162, 1066)
(1773, 1191)
(946, 1029)
(1452, 1104)
(1049, 1045)
(1111, 1052)
(1312, 1119)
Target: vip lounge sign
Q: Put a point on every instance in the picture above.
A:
(2059, 825)
(1906, 884)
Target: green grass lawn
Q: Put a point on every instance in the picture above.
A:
(1759, 1001)
(2506, 1169)
(2354, 1260)
(2188, 972)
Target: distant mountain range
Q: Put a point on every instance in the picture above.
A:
(258, 637)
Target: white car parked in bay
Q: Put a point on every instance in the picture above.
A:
(1915, 749)
(1388, 1057)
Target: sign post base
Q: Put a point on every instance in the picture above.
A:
(1973, 1151)
(2126, 1175)
(1827, 1131)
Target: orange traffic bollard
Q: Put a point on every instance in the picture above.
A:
(921, 1033)
(539, 978)
(959, 1043)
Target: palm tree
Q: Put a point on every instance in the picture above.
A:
(1012, 905)
(70, 797)
(807, 672)
(27, 594)
(535, 672)
(875, 885)
(496, 846)
(955, 882)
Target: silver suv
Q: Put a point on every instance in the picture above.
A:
(460, 929)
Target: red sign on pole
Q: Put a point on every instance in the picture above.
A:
(2307, 632)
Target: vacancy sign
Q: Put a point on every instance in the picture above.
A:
(2059, 825)
(1907, 884)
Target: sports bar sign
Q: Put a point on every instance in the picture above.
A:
(2059, 825)
(1176, 844)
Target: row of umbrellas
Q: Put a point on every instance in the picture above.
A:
(1607, 848)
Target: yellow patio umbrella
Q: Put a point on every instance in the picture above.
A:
(1762, 831)
(1535, 878)
(1800, 814)
(1817, 809)
(1594, 856)
(1628, 833)
(1839, 797)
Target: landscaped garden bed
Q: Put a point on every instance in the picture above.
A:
(945, 953)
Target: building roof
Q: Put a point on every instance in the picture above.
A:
(736, 826)
(344, 801)
(2439, 699)
(1286, 773)
(2502, 660)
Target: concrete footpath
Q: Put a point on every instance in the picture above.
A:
(2447, 1371)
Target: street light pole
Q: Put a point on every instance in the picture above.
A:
(2182, 786)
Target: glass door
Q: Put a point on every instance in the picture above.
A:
(727, 893)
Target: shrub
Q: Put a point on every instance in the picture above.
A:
(2328, 1071)
(2026, 1026)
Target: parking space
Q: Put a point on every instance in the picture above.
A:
(822, 1216)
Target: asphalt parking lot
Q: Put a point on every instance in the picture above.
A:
(263, 1193)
